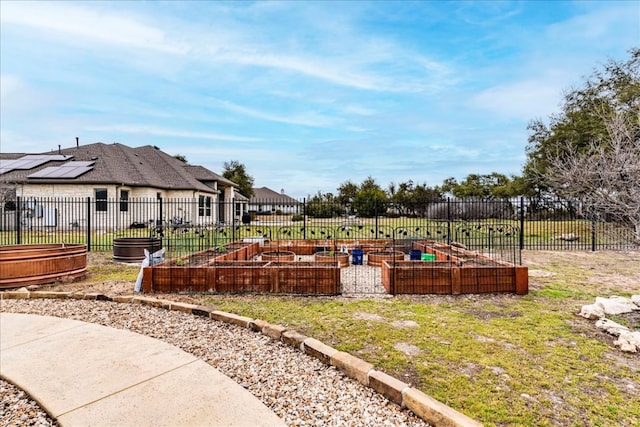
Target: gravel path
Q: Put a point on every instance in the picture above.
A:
(17, 409)
(300, 389)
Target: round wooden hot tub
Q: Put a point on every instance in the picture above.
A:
(23, 265)
(342, 258)
(377, 258)
(278, 256)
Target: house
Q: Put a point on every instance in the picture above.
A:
(267, 201)
(106, 173)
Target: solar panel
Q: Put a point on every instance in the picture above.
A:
(68, 170)
(31, 161)
(61, 172)
(78, 163)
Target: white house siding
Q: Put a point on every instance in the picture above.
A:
(268, 206)
(63, 207)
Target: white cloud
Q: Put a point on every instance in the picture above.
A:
(306, 119)
(523, 100)
(361, 61)
(84, 24)
(9, 85)
(159, 131)
(600, 27)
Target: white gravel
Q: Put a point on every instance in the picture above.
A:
(300, 389)
(18, 409)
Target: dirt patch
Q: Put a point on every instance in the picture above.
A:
(488, 315)
(405, 324)
(369, 316)
(602, 272)
(408, 375)
(408, 349)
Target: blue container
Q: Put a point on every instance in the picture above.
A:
(356, 256)
(414, 254)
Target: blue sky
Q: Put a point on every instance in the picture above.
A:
(307, 95)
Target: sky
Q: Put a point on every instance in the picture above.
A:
(306, 94)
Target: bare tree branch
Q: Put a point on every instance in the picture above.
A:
(605, 177)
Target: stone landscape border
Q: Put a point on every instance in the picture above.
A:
(399, 392)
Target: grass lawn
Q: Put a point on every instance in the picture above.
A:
(501, 359)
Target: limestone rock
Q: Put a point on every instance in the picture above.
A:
(632, 338)
(611, 327)
(592, 311)
(635, 299)
(617, 305)
(628, 342)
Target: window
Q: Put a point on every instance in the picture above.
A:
(101, 199)
(204, 206)
(238, 210)
(124, 200)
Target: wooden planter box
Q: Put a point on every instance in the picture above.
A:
(308, 278)
(248, 277)
(23, 265)
(244, 277)
(377, 258)
(278, 256)
(444, 277)
(312, 246)
(339, 258)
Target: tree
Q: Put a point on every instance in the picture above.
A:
(604, 175)
(181, 157)
(488, 186)
(370, 200)
(584, 118)
(410, 199)
(236, 172)
(347, 192)
(323, 206)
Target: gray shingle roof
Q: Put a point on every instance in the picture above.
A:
(264, 194)
(145, 166)
(203, 174)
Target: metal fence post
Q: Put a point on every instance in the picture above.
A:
(18, 220)
(448, 220)
(304, 218)
(594, 224)
(88, 224)
(521, 223)
(375, 212)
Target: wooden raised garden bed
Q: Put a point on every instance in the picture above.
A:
(235, 271)
(280, 256)
(377, 258)
(23, 265)
(455, 271)
(331, 257)
(311, 246)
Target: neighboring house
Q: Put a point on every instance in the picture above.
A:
(103, 172)
(233, 204)
(265, 200)
(240, 206)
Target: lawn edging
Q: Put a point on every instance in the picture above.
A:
(422, 405)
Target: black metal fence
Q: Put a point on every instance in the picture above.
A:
(504, 227)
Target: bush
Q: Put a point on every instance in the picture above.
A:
(297, 217)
